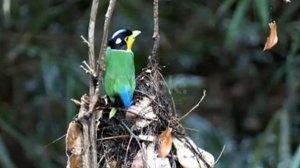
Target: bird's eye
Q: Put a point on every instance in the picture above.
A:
(118, 41)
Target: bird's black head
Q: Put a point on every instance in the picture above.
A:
(123, 39)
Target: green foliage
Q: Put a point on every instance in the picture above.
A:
(237, 19)
(252, 96)
(112, 112)
(296, 159)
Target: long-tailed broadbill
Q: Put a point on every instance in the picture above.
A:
(119, 78)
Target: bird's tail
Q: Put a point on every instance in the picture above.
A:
(126, 97)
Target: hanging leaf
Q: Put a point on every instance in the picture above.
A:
(165, 139)
(272, 39)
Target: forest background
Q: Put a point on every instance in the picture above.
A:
(252, 97)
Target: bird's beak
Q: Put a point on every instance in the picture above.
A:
(135, 33)
(131, 39)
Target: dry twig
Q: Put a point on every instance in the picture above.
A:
(87, 69)
(192, 109)
(221, 153)
(113, 137)
(137, 140)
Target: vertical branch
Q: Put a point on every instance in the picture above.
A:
(153, 60)
(100, 70)
(91, 36)
(86, 116)
(89, 129)
(89, 156)
(101, 58)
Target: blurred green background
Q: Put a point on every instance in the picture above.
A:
(252, 103)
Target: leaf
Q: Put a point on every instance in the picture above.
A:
(112, 112)
(138, 160)
(74, 145)
(113, 164)
(153, 161)
(5, 158)
(188, 154)
(272, 39)
(224, 7)
(165, 142)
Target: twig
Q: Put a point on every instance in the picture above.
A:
(127, 149)
(85, 40)
(192, 109)
(87, 69)
(113, 137)
(141, 137)
(101, 57)
(76, 102)
(137, 140)
(141, 115)
(156, 37)
(54, 141)
(221, 153)
(129, 111)
(169, 92)
(132, 134)
(191, 129)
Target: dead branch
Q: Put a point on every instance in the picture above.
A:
(91, 36)
(89, 158)
(153, 59)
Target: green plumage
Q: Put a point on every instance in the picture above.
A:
(119, 73)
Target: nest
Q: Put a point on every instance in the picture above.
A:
(148, 134)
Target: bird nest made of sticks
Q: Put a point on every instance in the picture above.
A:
(148, 134)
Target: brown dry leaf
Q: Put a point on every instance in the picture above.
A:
(272, 39)
(153, 161)
(113, 164)
(138, 160)
(74, 145)
(191, 156)
(165, 139)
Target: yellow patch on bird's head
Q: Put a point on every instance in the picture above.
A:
(130, 39)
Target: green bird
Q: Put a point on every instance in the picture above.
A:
(119, 78)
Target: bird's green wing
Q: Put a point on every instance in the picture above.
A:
(119, 71)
